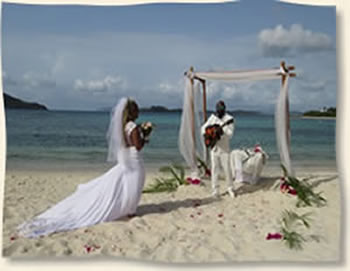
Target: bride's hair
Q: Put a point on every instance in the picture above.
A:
(130, 107)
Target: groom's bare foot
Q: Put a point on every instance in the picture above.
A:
(231, 193)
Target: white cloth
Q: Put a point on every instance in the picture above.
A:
(241, 75)
(247, 165)
(190, 141)
(113, 195)
(283, 135)
(219, 155)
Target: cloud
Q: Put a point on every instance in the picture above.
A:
(37, 80)
(244, 95)
(315, 86)
(147, 66)
(281, 41)
(107, 84)
(29, 80)
(171, 88)
(8, 80)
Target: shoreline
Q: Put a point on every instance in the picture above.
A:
(303, 166)
(321, 117)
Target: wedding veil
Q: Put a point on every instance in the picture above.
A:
(115, 134)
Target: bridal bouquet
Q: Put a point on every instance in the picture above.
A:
(146, 129)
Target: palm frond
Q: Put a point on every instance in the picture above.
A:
(181, 170)
(293, 239)
(202, 164)
(169, 184)
(165, 169)
(291, 219)
(172, 171)
(161, 185)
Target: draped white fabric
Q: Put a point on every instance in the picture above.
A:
(191, 144)
(252, 75)
(283, 135)
(186, 143)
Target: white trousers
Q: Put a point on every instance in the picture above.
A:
(220, 160)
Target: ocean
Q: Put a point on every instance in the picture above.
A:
(44, 138)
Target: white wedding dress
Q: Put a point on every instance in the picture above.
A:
(113, 195)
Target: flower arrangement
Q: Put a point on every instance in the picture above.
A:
(286, 188)
(146, 129)
(302, 189)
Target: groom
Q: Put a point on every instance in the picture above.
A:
(220, 152)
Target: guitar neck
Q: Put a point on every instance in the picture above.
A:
(227, 123)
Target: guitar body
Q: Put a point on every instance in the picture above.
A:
(213, 133)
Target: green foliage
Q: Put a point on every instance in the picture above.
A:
(306, 196)
(169, 183)
(202, 164)
(203, 167)
(293, 239)
(161, 185)
(328, 112)
(290, 221)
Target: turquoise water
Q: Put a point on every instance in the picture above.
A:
(79, 137)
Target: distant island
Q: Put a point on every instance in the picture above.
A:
(159, 109)
(324, 112)
(163, 109)
(15, 103)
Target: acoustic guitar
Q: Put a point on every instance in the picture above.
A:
(214, 132)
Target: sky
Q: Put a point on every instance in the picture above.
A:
(87, 57)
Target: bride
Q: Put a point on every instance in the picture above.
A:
(113, 195)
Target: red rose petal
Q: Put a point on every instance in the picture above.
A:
(208, 172)
(192, 216)
(220, 215)
(276, 236)
(196, 181)
(13, 238)
(292, 191)
(199, 213)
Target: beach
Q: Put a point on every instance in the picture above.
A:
(43, 166)
(185, 226)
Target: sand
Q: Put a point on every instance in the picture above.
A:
(187, 225)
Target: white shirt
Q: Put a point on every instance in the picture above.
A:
(223, 145)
